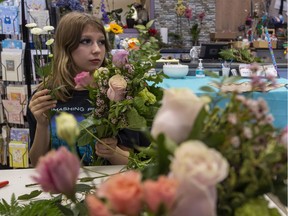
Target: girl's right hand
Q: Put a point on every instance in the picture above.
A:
(40, 103)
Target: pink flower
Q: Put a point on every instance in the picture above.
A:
(195, 199)
(117, 88)
(181, 107)
(58, 172)
(284, 137)
(120, 58)
(188, 13)
(123, 192)
(83, 80)
(96, 207)
(162, 191)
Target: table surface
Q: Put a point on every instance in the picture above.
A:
(276, 99)
(19, 178)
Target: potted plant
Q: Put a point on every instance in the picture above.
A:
(131, 16)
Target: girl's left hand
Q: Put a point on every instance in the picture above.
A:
(103, 150)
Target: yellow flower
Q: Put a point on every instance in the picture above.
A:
(67, 127)
(115, 28)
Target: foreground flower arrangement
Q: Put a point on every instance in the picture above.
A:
(203, 160)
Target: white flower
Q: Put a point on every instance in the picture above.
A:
(181, 108)
(49, 42)
(48, 28)
(36, 31)
(31, 25)
(195, 162)
(67, 127)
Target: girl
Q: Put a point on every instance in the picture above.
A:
(80, 45)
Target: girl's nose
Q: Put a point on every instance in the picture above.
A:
(95, 47)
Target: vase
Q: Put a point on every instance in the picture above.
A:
(130, 22)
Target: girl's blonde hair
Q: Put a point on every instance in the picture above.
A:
(67, 38)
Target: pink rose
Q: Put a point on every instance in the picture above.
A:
(58, 172)
(96, 207)
(195, 199)
(181, 107)
(162, 191)
(83, 80)
(123, 192)
(120, 58)
(117, 88)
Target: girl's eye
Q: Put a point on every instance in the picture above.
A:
(85, 41)
(101, 42)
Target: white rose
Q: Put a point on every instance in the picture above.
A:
(67, 127)
(36, 31)
(196, 163)
(49, 42)
(31, 25)
(48, 28)
(176, 116)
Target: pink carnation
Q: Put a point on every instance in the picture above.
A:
(123, 192)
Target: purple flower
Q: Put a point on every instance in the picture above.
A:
(73, 5)
(120, 58)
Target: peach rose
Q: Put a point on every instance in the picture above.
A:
(195, 162)
(117, 88)
(96, 207)
(176, 116)
(123, 192)
(58, 172)
(162, 191)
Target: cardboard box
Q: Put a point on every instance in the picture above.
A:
(240, 45)
(264, 44)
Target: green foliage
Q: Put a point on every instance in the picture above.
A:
(256, 207)
(239, 55)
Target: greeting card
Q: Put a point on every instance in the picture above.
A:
(40, 17)
(19, 134)
(18, 154)
(12, 67)
(17, 92)
(14, 111)
(9, 20)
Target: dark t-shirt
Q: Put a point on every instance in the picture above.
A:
(79, 105)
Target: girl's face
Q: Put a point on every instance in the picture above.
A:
(90, 53)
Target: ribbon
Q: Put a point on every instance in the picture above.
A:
(271, 49)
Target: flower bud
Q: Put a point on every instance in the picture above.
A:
(67, 127)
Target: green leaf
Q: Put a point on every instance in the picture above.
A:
(33, 194)
(135, 121)
(198, 125)
(149, 24)
(83, 187)
(207, 89)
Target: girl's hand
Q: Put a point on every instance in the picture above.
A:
(103, 150)
(40, 103)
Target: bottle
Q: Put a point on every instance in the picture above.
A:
(200, 70)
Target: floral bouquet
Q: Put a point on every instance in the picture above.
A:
(119, 92)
